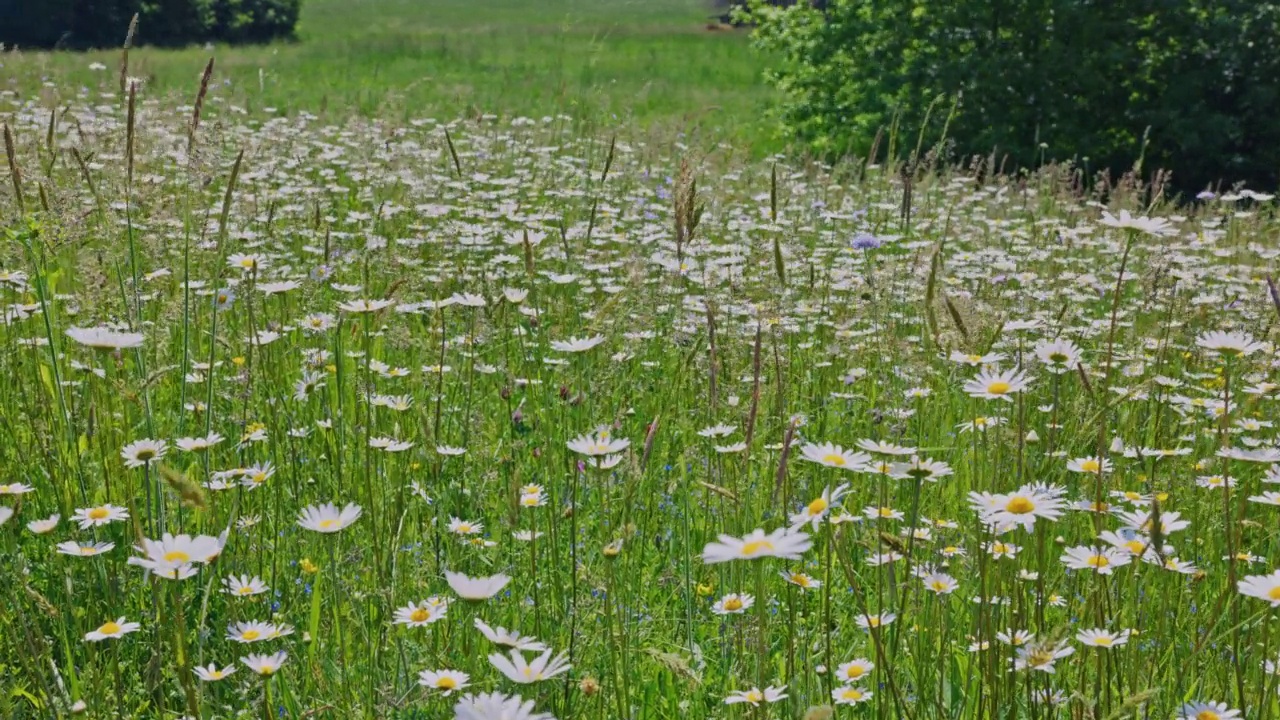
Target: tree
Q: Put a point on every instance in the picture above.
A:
(1170, 82)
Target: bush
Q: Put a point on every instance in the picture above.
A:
(1049, 79)
(104, 23)
(256, 20)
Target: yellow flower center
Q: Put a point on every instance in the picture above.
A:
(950, 550)
(1058, 357)
(1020, 505)
(1135, 547)
(326, 524)
(998, 387)
(176, 556)
(886, 512)
(419, 615)
(1039, 658)
(88, 550)
(974, 358)
(247, 262)
(99, 513)
(756, 546)
(446, 683)
(146, 454)
(250, 635)
(938, 585)
(855, 671)
(1091, 466)
(464, 528)
(732, 604)
(800, 579)
(1102, 641)
(1274, 593)
(1207, 715)
(267, 670)
(817, 506)
(258, 478)
(834, 459)
(851, 694)
(754, 696)
(246, 590)
(109, 628)
(873, 621)
(215, 674)
(1098, 561)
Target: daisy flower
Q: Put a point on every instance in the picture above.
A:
(327, 518)
(421, 614)
(98, 516)
(104, 338)
(265, 665)
(834, 456)
(997, 385)
(600, 443)
(879, 620)
(850, 695)
(1101, 560)
(496, 706)
(39, 527)
(816, 510)
(1207, 711)
(576, 345)
(143, 452)
(784, 542)
(254, 631)
(211, 673)
(854, 670)
(446, 681)
(508, 638)
(801, 580)
(1089, 465)
(244, 586)
(1041, 656)
(518, 670)
(1058, 356)
(1103, 638)
(112, 629)
(732, 604)
(1020, 507)
(755, 696)
(478, 588)
(1229, 344)
(1263, 587)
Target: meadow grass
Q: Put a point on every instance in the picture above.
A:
(652, 65)
(332, 414)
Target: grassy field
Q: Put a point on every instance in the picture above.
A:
(651, 64)
(339, 411)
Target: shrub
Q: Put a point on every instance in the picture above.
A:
(1085, 78)
(103, 23)
(256, 20)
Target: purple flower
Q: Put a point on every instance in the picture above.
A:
(865, 241)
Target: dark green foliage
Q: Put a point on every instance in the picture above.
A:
(256, 20)
(1088, 79)
(104, 23)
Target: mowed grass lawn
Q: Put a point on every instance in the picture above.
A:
(652, 64)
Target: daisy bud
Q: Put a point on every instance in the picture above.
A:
(819, 712)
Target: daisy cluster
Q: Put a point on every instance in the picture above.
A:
(495, 419)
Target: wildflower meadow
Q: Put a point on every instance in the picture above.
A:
(503, 418)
